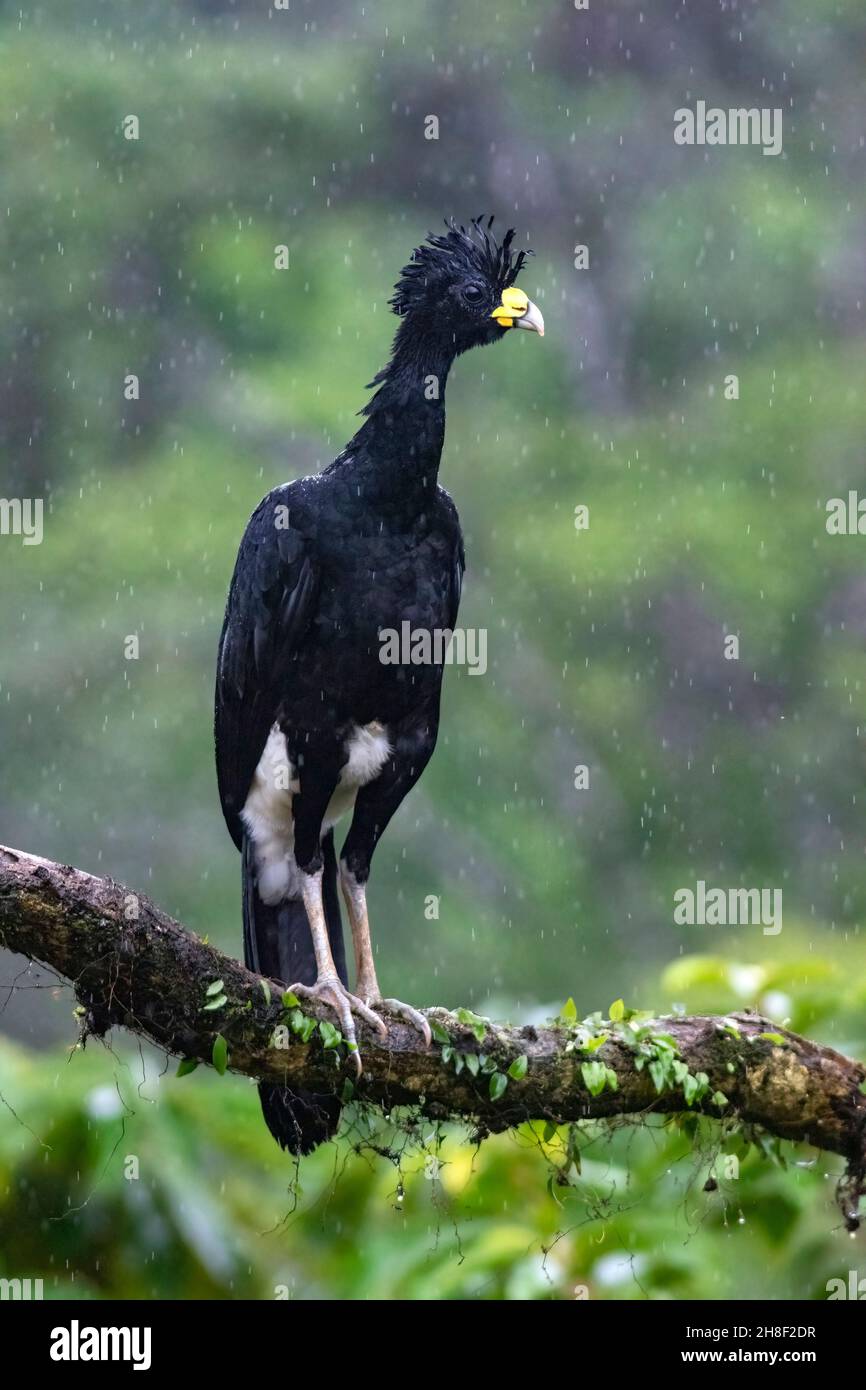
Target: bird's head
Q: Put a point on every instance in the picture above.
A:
(458, 289)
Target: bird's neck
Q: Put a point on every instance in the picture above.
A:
(395, 455)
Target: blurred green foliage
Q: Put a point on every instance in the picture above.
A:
(115, 1176)
(605, 646)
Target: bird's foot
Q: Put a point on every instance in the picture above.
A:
(332, 991)
(406, 1012)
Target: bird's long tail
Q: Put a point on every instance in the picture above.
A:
(277, 943)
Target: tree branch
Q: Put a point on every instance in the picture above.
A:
(132, 965)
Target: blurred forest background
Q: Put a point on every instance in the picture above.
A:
(155, 256)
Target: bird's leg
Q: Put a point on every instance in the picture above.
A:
(411, 746)
(308, 809)
(366, 983)
(329, 987)
(355, 896)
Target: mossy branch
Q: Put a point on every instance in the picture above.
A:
(132, 965)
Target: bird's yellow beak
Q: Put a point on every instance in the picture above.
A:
(518, 311)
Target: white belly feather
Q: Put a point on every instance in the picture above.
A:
(267, 812)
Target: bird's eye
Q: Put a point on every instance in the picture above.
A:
(472, 294)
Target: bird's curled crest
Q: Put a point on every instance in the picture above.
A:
(474, 250)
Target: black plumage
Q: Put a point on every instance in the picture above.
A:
(326, 564)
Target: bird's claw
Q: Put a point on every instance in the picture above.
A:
(336, 996)
(414, 1016)
(334, 993)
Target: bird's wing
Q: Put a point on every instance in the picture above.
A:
(271, 601)
(456, 584)
(458, 569)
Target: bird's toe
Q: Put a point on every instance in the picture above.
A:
(369, 1015)
(337, 997)
(414, 1016)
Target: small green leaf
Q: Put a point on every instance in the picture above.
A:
(775, 1038)
(447, 1054)
(266, 991)
(498, 1084)
(218, 1003)
(331, 1037)
(549, 1132)
(216, 988)
(348, 1090)
(695, 1087)
(220, 1054)
(185, 1066)
(301, 1025)
(569, 1011)
(439, 1032)
(658, 1072)
(616, 1012)
(290, 1001)
(472, 1063)
(518, 1068)
(471, 1020)
(720, 1099)
(594, 1077)
(862, 1088)
(593, 1044)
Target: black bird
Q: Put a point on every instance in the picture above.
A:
(310, 722)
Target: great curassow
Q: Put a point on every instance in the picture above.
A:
(310, 722)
